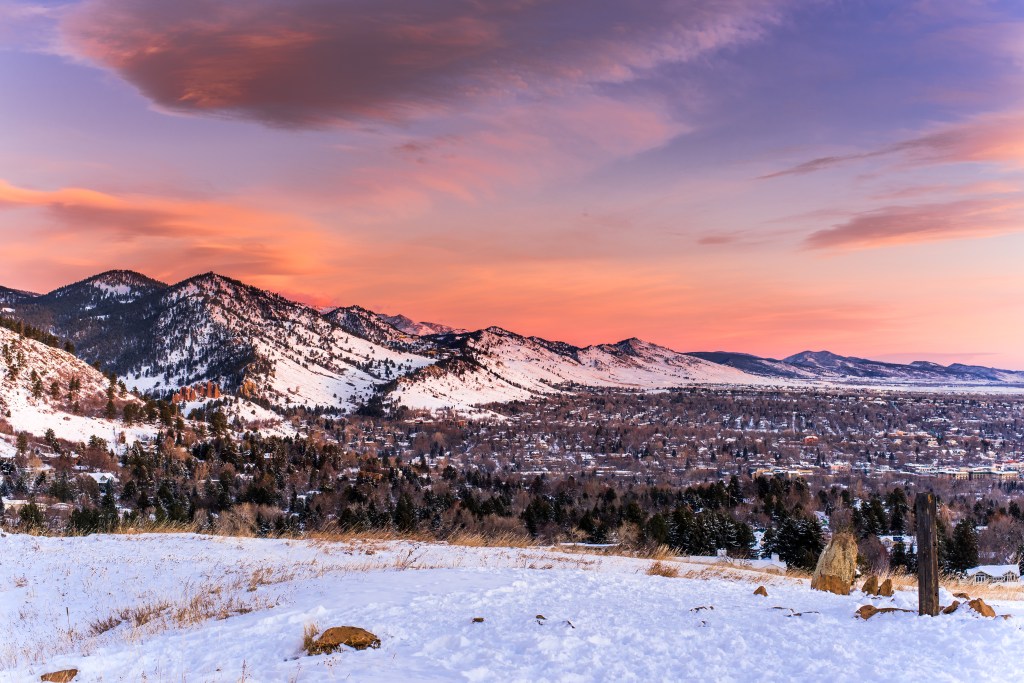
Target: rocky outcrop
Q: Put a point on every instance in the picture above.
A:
(203, 390)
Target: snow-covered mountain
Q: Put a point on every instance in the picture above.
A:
(755, 365)
(282, 353)
(419, 329)
(213, 327)
(828, 365)
(495, 365)
(210, 327)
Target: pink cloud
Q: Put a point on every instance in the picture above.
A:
(301, 63)
(895, 225)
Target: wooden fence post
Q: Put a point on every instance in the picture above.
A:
(927, 555)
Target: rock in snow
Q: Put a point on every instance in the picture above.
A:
(837, 565)
(350, 636)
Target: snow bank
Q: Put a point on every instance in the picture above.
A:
(224, 609)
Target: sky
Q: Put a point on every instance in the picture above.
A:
(764, 176)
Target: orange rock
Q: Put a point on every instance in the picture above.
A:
(63, 676)
(979, 606)
(871, 585)
(867, 611)
(352, 636)
(885, 590)
(761, 590)
(831, 584)
(952, 608)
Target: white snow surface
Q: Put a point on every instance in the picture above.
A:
(605, 619)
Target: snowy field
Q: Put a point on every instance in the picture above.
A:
(196, 608)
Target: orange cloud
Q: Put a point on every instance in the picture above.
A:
(156, 232)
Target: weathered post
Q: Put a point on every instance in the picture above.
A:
(927, 555)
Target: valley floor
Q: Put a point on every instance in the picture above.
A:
(177, 607)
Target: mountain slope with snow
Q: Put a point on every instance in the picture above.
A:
(378, 329)
(172, 607)
(43, 388)
(212, 327)
(495, 365)
(419, 329)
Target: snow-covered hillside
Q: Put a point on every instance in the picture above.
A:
(36, 393)
(378, 329)
(196, 608)
(496, 365)
(421, 329)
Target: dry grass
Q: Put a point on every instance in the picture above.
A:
(659, 568)
(198, 605)
(309, 634)
(508, 539)
(330, 534)
(157, 528)
(98, 628)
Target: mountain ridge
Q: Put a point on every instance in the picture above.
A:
(211, 327)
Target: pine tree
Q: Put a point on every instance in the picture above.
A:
(405, 513)
(963, 550)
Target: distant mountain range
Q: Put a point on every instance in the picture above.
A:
(160, 336)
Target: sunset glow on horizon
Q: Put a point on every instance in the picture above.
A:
(764, 176)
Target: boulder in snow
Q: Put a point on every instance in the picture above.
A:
(352, 636)
(62, 676)
(837, 565)
(865, 612)
(979, 606)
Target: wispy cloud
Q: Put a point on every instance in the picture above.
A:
(895, 225)
(997, 138)
(28, 25)
(159, 230)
